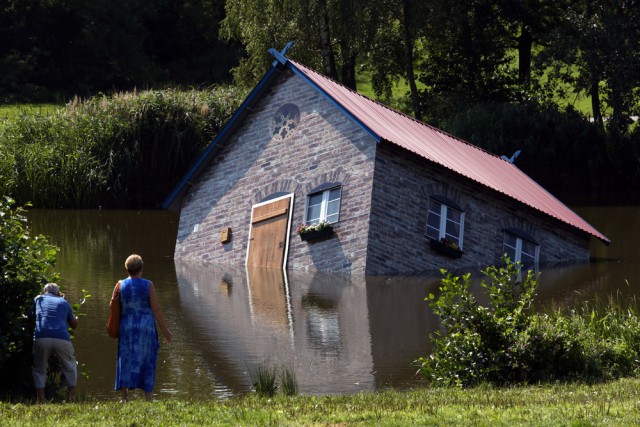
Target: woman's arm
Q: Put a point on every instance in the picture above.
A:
(157, 312)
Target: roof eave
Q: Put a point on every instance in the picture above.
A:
(172, 202)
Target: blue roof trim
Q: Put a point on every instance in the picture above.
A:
(334, 102)
(222, 134)
(280, 56)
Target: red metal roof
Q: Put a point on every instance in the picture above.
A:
(439, 147)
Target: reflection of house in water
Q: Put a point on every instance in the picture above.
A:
(268, 293)
(567, 284)
(339, 335)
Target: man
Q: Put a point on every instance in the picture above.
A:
(53, 313)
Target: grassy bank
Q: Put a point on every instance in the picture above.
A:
(615, 403)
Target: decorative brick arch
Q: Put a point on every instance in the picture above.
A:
(444, 189)
(281, 186)
(338, 175)
(518, 223)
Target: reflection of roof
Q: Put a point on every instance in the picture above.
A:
(383, 123)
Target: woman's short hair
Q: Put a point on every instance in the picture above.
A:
(133, 264)
(51, 288)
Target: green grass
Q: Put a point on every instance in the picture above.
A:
(13, 111)
(613, 404)
(564, 94)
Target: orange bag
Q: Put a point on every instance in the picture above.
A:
(113, 324)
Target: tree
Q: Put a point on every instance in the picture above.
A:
(466, 56)
(263, 24)
(530, 21)
(328, 36)
(391, 55)
(81, 47)
(596, 51)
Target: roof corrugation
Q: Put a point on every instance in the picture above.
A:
(439, 147)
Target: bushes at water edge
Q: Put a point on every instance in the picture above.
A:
(26, 263)
(508, 343)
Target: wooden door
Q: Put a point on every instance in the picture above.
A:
(268, 236)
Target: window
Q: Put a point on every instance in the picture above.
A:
(520, 247)
(324, 205)
(445, 220)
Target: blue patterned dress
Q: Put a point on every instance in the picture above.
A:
(138, 343)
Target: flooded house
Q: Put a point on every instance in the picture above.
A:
(377, 191)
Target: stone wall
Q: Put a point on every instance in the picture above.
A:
(385, 236)
(398, 241)
(252, 164)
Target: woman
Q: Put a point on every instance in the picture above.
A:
(138, 342)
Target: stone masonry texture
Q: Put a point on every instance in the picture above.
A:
(385, 193)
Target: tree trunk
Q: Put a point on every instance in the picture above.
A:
(348, 67)
(594, 91)
(328, 56)
(525, 44)
(408, 55)
(595, 103)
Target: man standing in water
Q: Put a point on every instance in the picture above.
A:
(52, 313)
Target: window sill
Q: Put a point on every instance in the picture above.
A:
(444, 249)
(315, 235)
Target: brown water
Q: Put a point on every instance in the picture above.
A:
(339, 335)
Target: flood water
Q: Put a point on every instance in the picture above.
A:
(339, 335)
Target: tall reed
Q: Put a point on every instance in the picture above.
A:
(263, 377)
(125, 150)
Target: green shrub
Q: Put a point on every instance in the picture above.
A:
(475, 341)
(26, 263)
(508, 343)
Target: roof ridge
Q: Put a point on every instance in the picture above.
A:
(393, 110)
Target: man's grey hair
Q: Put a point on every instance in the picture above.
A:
(51, 288)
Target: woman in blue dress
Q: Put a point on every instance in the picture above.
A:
(138, 341)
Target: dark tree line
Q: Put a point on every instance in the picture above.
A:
(497, 72)
(69, 47)
(453, 53)
(461, 60)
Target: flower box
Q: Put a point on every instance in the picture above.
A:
(316, 234)
(445, 248)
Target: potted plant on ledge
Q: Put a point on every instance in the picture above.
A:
(315, 231)
(446, 247)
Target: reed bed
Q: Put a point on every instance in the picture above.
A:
(127, 150)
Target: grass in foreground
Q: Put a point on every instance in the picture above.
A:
(615, 403)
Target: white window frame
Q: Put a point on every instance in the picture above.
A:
(324, 205)
(518, 248)
(442, 227)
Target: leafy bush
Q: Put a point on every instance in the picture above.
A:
(474, 343)
(507, 342)
(26, 263)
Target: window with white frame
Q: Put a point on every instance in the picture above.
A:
(445, 220)
(323, 204)
(520, 247)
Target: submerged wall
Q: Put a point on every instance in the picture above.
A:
(398, 241)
